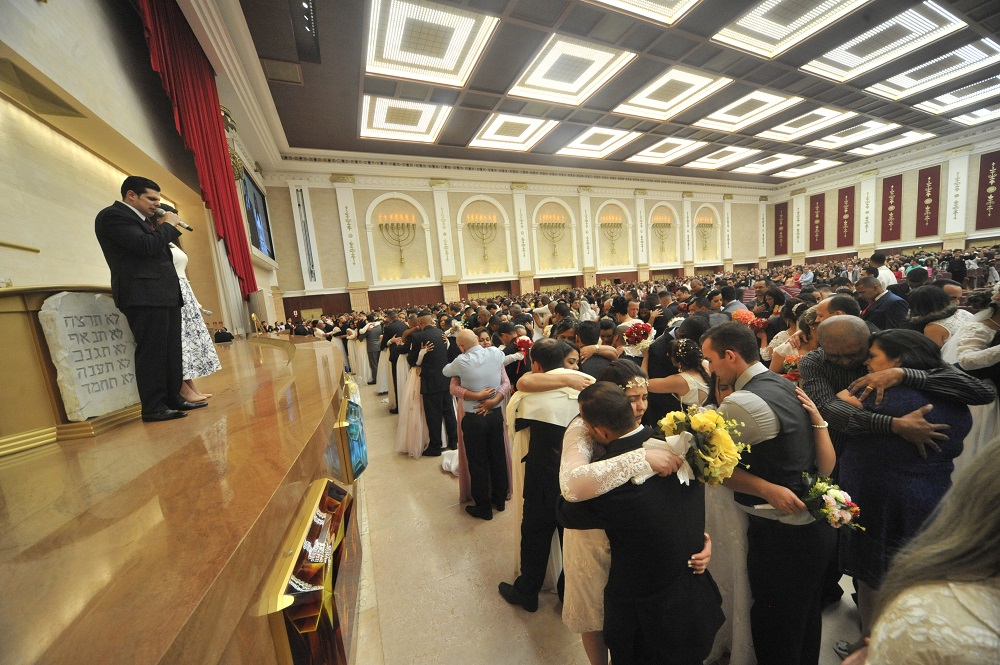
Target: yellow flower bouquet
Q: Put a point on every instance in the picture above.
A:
(711, 452)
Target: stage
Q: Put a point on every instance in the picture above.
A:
(150, 543)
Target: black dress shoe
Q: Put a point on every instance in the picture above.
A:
(432, 452)
(166, 414)
(499, 507)
(394, 411)
(515, 597)
(371, 383)
(481, 513)
(452, 446)
(188, 406)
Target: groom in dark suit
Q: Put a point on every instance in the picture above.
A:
(434, 385)
(145, 288)
(884, 309)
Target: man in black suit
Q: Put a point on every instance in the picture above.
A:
(145, 288)
(434, 385)
(885, 310)
(393, 328)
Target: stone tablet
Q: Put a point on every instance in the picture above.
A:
(93, 350)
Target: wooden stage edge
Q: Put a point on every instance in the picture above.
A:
(151, 542)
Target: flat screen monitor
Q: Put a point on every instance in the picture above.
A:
(256, 208)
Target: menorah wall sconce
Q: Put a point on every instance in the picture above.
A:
(613, 231)
(704, 231)
(399, 229)
(483, 231)
(662, 231)
(553, 232)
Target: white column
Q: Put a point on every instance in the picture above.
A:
(350, 230)
(642, 228)
(305, 235)
(727, 228)
(586, 229)
(686, 249)
(799, 215)
(958, 186)
(442, 228)
(867, 213)
(523, 225)
(762, 230)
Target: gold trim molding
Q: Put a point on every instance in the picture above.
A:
(344, 179)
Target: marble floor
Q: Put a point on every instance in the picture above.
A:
(430, 573)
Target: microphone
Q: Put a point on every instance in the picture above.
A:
(160, 212)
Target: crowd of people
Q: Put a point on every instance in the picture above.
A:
(879, 373)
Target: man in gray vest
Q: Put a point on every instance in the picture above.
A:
(372, 333)
(787, 550)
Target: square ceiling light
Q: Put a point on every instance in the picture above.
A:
(948, 67)
(747, 110)
(665, 151)
(598, 142)
(511, 132)
(774, 26)
(807, 124)
(671, 93)
(661, 11)
(853, 134)
(401, 120)
(420, 40)
(970, 94)
(891, 143)
(568, 71)
(979, 115)
(769, 164)
(902, 34)
(720, 158)
(818, 165)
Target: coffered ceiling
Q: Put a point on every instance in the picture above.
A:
(755, 91)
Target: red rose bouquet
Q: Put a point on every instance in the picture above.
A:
(638, 337)
(758, 325)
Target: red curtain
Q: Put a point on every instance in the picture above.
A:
(928, 196)
(892, 205)
(188, 78)
(817, 219)
(781, 228)
(845, 227)
(987, 210)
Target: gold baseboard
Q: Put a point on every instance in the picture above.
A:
(16, 443)
(100, 425)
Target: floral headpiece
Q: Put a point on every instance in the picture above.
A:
(684, 345)
(637, 382)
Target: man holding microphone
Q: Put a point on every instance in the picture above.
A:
(135, 235)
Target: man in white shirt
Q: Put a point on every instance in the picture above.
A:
(884, 274)
(479, 369)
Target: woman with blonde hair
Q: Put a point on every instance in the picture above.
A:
(940, 601)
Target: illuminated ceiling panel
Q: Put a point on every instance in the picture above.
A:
(853, 134)
(979, 115)
(962, 97)
(512, 132)
(769, 164)
(665, 151)
(720, 158)
(906, 138)
(568, 71)
(774, 26)
(798, 171)
(747, 110)
(807, 124)
(940, 70)
(425, 41)
(661, 11)
(598, 142)
(916, 27)
(671, 93)
(400, 120)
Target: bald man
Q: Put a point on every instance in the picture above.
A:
(479, 370)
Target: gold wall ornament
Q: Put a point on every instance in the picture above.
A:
(552, 232)
(484, 232)
(227, 120)
(399, 230)
(237, 163)
(704, 232)
(613, 231)
(662, 230)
